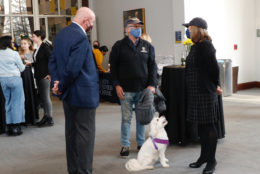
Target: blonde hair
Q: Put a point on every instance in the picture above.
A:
(199, 34)
(21, 51)
(146, 37)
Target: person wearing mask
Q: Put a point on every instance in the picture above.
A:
(133, 69)
(11, 67)
(75, 82)
(99, 54)
(202, 83)
(96, 44)
(41, 57)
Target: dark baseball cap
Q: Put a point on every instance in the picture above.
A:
(198, 22)
(133, 21)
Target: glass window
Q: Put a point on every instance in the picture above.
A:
(4, 6)
(22, 25)
(43, 25)
(48, 7)
(5, 26)
(56, 24)
(21, 6)
(68, 7)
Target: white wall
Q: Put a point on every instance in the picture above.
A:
(159, 22)
(231, 22)
(257, 42)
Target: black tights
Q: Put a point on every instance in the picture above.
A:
(208, 140)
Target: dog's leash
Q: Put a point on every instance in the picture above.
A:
(160, 141)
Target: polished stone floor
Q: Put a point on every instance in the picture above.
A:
(42, 150)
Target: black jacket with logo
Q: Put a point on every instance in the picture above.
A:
(133, 67)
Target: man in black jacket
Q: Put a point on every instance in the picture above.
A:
(133, 69)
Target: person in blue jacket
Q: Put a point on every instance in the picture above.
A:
(75, 82)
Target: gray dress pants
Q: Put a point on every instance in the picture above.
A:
(80, 137)
(43, 86)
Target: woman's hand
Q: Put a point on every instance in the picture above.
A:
(219, 90)
(28, 64)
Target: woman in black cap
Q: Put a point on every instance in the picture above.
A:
(202, 81)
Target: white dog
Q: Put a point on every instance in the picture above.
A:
(153, 148)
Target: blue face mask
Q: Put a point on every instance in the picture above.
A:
(136, 32)
(188, 33)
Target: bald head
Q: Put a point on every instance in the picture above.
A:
(85, 17)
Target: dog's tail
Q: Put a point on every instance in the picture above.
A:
(133, 165)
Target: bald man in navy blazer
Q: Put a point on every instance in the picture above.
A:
(75, 82)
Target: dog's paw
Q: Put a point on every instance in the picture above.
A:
(150, 167)
(166, 160)
(165, 165)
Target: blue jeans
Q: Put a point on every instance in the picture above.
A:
(130, 99)
(14, 99)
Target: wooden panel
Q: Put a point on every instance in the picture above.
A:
(248, 85)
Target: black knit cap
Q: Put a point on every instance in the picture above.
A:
(198, 22)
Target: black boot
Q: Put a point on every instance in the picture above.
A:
(43, 120)
(197, 164)
(203, 151)
(15, 130)
(210, 168)
(48, 122)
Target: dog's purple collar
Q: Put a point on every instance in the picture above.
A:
(160, 141)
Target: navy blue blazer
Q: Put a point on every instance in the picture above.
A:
(72, 64)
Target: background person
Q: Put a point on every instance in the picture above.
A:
(202, 83)
(75, 81)
(146, 37)
(133, 69)
(26, 53)
(11, 67)
(99, 55)
(96, 44)
(41, 58)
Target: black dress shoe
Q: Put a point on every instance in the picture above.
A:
(44, 118)
(210, 168)
(48, 122)
(15, 130)
(197, 164)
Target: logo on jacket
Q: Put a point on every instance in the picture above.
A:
(143, 50)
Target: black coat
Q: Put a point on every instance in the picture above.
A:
(133, 68)
(202, 78)
(41, 62)
(205, 55)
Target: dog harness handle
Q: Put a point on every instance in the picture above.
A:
(160, 141)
